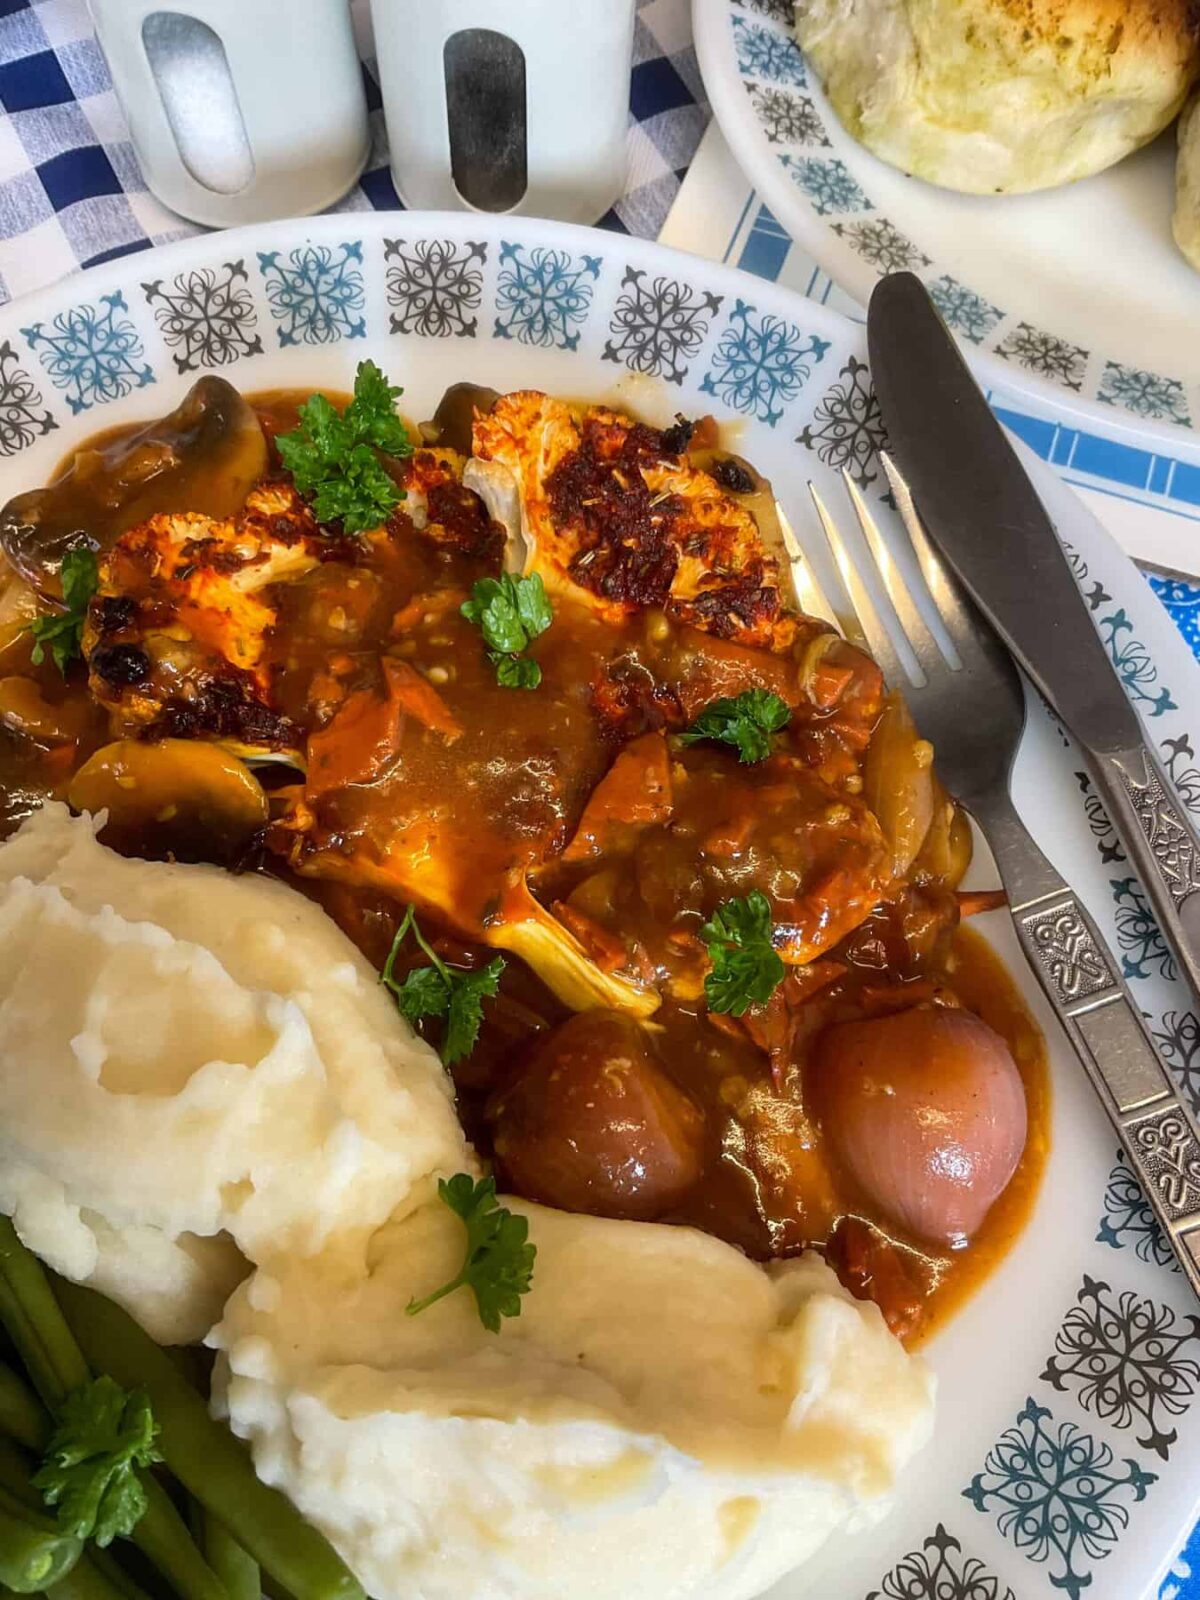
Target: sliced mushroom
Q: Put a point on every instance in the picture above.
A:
(179, 798)
(204, 457)
(457, 409)
(263, 755)
(18, 606)
(25, 709)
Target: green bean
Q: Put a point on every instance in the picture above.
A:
(89, 1579)
(162, 1536)
(33, 1553)
(118, 1585)
(21, 1417)
(34, 1322)
(238, 1571)
(92, 1579)
(206, 1458)
(57, 1365)
(28, 1535)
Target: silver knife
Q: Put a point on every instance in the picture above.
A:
(985, 517)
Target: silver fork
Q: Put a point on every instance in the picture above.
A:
(973, 712)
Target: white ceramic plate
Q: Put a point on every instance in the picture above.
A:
(1077, 292)
(1067, 1458)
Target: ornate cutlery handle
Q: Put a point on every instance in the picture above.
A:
(1162, 843)
(1106, 1030)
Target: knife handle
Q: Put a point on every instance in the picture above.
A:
(1105, 1029)
(1162, 842)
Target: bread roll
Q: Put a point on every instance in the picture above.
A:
(1002, 96)
(1187, 184)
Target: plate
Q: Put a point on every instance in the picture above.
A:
(1067, 1457)
(1077, 293)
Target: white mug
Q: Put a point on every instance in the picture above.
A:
(522, 107)
(239, 110)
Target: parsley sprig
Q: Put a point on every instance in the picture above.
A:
(437, 990)
(510, 613)
(746, 721)
(746, 969)
(331, 455)
(498, 1260)
(102, 1435)
(62, 630)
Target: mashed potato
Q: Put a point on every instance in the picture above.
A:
(194, 1064)
(664, 1418)
(197, 1070)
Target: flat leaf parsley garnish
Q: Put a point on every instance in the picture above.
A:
(746, 721)
(498, 1262)
(88, 1472)
(63, 630)
(332, 459)
(510, 613)
(746, 969)
(451, 993)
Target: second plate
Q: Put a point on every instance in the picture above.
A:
(1076, 294)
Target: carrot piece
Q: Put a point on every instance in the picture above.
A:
(634, 793)
(361, 740)
(417, 696)
(870, 1266)
(972, 901)
(828, 683)
(605, 948)
(355, 746)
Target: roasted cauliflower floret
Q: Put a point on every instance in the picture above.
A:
(177, 635)
(452, 516)
(598, 504)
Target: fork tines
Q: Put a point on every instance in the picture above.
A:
(911, 649)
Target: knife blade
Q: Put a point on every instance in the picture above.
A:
(983, 513)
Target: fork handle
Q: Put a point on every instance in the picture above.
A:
(1162, 843)
(1105, 1028)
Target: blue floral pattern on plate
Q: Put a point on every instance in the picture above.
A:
(762, 53)
(92, 352)
(1128, 1222)
(827, 183)
(761, 362)
(1146, 394)
(543, 296)
(968, 313)
(315, 292)
(1058, 1493)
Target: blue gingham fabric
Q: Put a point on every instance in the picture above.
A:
(72, 193)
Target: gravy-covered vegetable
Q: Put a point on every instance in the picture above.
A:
(521, 698)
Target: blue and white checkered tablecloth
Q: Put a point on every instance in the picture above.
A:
(72, 193)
